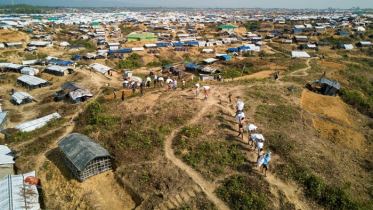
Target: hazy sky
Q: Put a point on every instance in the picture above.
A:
(296, 4)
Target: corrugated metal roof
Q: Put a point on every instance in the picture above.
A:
(11, 196)
(14, 66)
(29, 62)
(298, 54)
(329, 82)
(72, 86)
(34, 124)
(80, 149)
(18, 97)
(32, 80)
(210, 60)
(100, 68)
(348, 46)
(3, 65)
(29, 71)
(56, 68)
(2, 116)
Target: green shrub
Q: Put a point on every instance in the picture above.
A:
(242, 192)
(131, 62)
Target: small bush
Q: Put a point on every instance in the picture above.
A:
(243, 192)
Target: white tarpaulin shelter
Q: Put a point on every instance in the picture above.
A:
(251, 127)
(34, 124)
(13, 188)
(298, 54)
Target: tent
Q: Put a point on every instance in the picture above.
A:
(29, 71)
(12, 188)
(76, 92)
(32, 82)
(58, 70)
(4, 120)
(35, 124)
(297, 54)
(21, 98)
(328, 86)
(83, 156)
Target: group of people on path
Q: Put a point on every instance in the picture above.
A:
(255, 139)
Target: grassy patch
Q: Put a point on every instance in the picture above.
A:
(243, 192)
(280, 116)
(210, 157)
(135, 136)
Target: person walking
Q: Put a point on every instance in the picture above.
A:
(175, 84)
(267, 158)
(169, 86)
(240, 127)
(206, 89)
(260, 154)
(123, 96)
(71, 121)
(230, 97)
(115, 94)
(197, 89)
(183, 84)
(142, 88)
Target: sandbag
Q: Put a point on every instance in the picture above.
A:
(240, 105)
(251, 127)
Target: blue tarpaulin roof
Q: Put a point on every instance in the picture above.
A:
(64, 63)
(77, 57)
(226, 57)
(160, 44)
(127, 50)
(243, 48)
(178, 44)
(232, 49)
(192, 43)
(192, 65)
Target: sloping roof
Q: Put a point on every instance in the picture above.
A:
(11, 197)
(31, 80)
(34, 124)
(348, 46)
(14, 66)
(297, 54)
(80, 149)
(71, 86)
(3, 65)
(29, 71)
(100, 68)
(18, 97)
(56, 68)
(329, 82)
(2, 117)
(210, 60)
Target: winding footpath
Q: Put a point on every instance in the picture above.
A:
(206, 186)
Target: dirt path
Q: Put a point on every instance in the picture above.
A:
(207, 186)
(302, 72)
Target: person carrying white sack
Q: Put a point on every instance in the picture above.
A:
(251, 128)
(258, 140)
